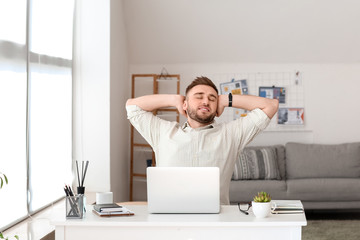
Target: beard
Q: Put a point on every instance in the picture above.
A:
(192, 113)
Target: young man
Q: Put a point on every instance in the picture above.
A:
(200, 141)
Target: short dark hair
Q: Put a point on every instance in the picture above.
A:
(201, 81)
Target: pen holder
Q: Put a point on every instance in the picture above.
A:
(75, 207)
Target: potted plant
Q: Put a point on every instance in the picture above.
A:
(3, 179)
(261, 205)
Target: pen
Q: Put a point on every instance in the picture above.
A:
(72, 201)
(70, 191)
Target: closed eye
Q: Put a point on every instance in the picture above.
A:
(212, 98)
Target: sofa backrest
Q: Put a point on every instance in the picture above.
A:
(280, 151)
(322, 161)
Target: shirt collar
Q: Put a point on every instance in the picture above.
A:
(186, 126)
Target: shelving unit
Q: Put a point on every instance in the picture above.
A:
(145, 84)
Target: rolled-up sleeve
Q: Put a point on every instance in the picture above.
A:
(259, 118)
(144, 122)
(251, 125)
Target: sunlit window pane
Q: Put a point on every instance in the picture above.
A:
(13, 88)
(51, 30)
(45, 100)
(50, 133)
(50, 109)
(13, 21)
(13, 145)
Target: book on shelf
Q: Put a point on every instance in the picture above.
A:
(112, 209)
(286, 207)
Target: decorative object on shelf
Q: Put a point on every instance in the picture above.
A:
(261, 205)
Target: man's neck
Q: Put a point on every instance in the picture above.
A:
(195, 124)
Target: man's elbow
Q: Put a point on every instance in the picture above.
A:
(271, 108)
(274, 106)
(130, 101)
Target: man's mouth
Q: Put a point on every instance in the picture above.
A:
(204, 109)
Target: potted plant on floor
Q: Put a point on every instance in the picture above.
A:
(261, 205)
(3, 179)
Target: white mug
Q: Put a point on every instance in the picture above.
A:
(104, 197)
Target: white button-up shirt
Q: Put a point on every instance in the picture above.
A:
(215, 145)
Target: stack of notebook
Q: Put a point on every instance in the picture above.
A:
(111, 209)
(286, 207)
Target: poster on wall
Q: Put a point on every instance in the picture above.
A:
(235, 87)
(273, 93)
(291, 116)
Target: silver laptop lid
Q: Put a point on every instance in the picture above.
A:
(183, 189)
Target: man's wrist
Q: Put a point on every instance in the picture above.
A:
(223, 100)
(230, 99)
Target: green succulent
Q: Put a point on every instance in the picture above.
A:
(262, 197)
(7, 238)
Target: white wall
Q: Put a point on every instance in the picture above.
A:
(119, 125)
(330, 92)
(92, 94)
(100, 84)
(256, 31)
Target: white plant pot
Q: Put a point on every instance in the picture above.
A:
(261, 209)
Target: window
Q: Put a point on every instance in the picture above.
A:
(35, 104)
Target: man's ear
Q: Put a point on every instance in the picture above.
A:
(185, 105)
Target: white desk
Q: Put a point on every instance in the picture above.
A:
(229, 224)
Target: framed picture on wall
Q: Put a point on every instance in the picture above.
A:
(235, 87)
(273, 93)
(291, 116)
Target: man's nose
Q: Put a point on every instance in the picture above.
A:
(205, 101)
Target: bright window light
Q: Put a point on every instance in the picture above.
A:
(13, 21)
(51, 30)
(50, 134)
(13, 145)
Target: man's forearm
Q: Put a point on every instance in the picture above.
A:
(249, 102)
(153, 102)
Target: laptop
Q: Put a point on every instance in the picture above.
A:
(183, 189)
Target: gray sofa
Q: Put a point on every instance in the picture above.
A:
(321, 176)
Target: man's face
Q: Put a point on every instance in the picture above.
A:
(201, 104)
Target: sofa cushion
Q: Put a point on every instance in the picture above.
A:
(324, 189)
(280, 152)
(322, 161)
(257, 164)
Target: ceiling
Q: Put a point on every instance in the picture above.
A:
(242, 31)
